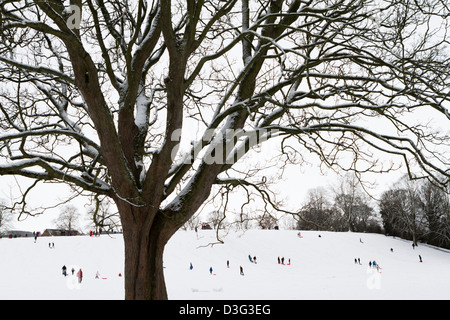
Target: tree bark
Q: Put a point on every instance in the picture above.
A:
(145, 236)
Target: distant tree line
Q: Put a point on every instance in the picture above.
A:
(417, 211)
(412, 210)
(346, 208)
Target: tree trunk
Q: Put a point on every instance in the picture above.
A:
(145, 238)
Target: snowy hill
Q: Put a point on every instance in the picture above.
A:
(321, 267)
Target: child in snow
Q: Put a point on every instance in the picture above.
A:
(80, 276)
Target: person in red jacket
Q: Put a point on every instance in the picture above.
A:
(80, 276)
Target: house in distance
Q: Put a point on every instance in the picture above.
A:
(59, 233)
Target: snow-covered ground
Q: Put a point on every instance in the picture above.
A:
(321, 267)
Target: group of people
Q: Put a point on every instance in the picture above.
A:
(79, 273)
(281, 261)
(374, 264)
(241, 269)
(94, 233)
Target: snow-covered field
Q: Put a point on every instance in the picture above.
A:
(321, 267)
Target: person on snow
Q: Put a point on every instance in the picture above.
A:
(250, 258)
(64, 271)
(80, 276)
(241, 270)
(190, 266)
(378, 267)
(254, 259)
(420, 258)
(210, 270)
(278, 260)
(228, 263)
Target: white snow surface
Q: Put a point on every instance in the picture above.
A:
(321, 267)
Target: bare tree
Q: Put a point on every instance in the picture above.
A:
(102, 217)
(352, 203)
(414, 211)
(103, 94)
(317, 213)
(267, 221)
(5, 217)
(68, 219)
(435, 204)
